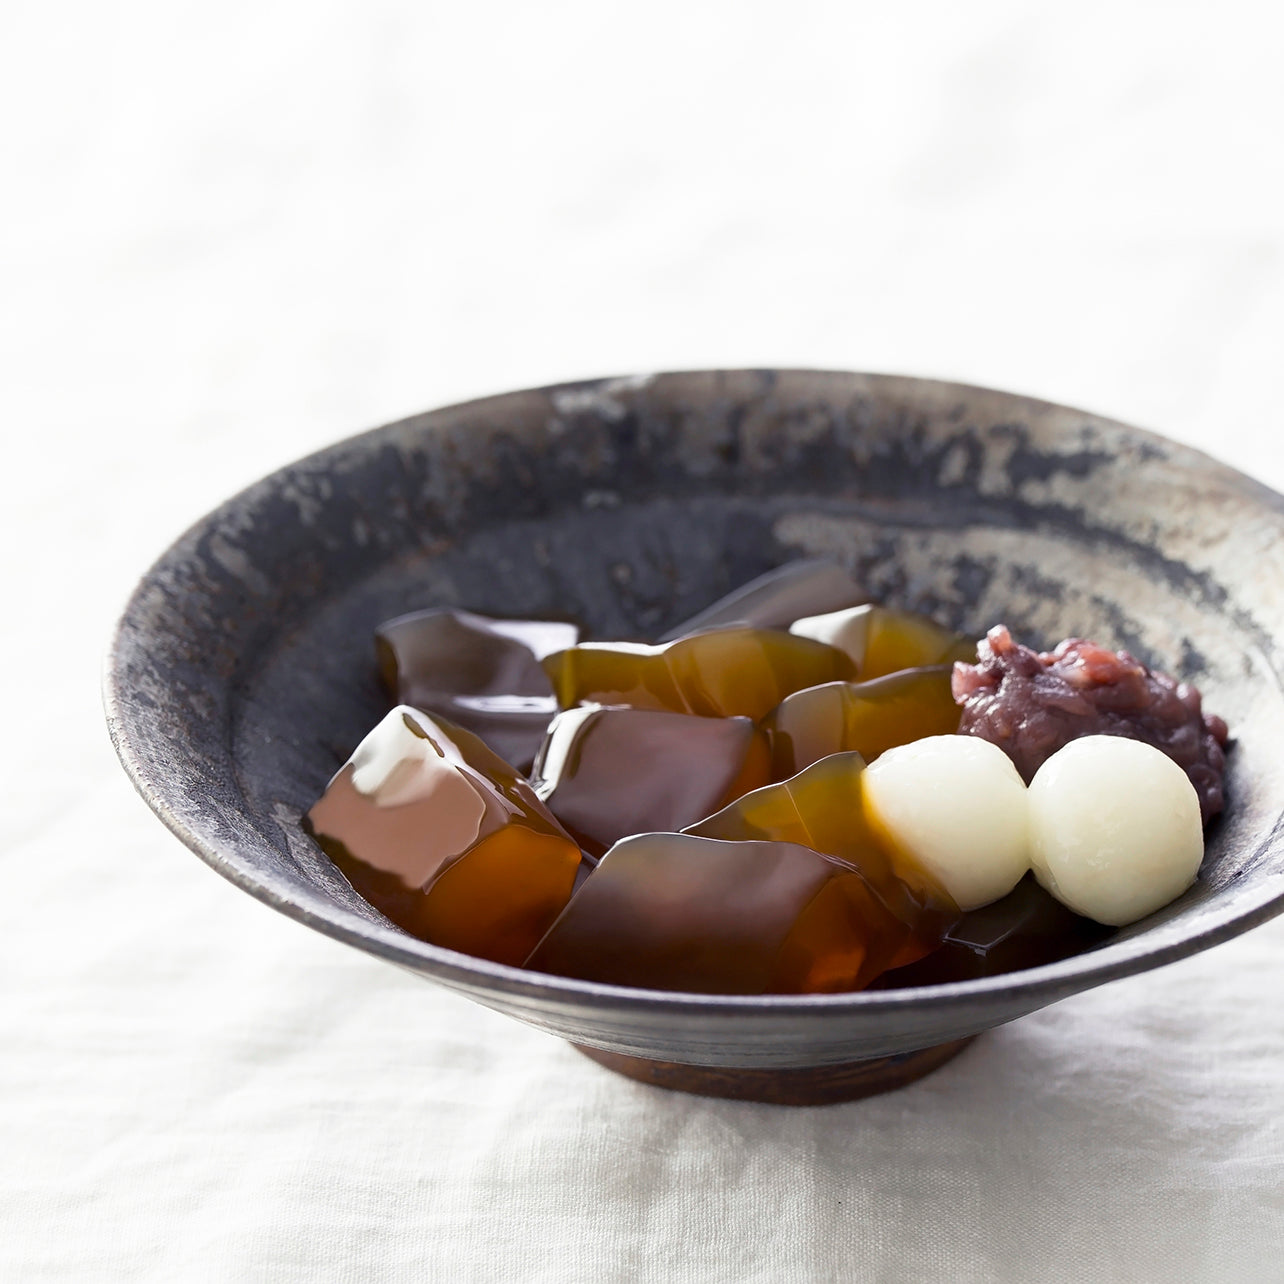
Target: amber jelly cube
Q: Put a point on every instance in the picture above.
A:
(441, 835)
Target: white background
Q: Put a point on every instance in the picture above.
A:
(233, 232)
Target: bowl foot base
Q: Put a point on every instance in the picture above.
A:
(804, 1086)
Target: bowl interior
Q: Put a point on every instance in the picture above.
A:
(242, 673)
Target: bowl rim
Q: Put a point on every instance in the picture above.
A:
(1111, 961)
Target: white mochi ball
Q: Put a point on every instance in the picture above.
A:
(957, 807)
(1115, 829)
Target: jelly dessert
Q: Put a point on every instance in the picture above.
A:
(678, 912)
(1027, 928)
(606, 773)
(480, 673)
(1032, 703)
(778, 598)
(822, 808)
(444, 837)
(792, 793)
(720, 674)
(881, 641)
(867, 717)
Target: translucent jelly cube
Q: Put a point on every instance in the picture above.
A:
(480, 673)
(880, 640)
(865, 717)
(442, 836)
(1027, 928)
(719, 674)
(676, 912)
(821, 808)
(608, 773)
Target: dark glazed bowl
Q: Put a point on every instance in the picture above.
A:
(242, 674)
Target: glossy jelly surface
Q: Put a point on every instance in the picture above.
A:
(606, 773)
(1027, 928)
(441, 835)
(866, 717)
(822, 808)
(676, 912)
(482, 674)
(879, 640)
(719, 674)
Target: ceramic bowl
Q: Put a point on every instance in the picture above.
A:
(242, 672)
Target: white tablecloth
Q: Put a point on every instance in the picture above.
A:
(238, 231)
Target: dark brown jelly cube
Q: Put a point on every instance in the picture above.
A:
(1027, 928)
(821, 808)
(676, 912)
(443, 837)
(606, 773)
(482, 674)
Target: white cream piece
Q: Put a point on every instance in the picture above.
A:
(957, 807)
(1115, 829)
(847, 630)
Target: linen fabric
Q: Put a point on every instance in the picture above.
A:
(236, 232)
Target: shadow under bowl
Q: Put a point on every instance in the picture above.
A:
(242, 674)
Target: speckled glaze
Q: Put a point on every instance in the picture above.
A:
(242, 672)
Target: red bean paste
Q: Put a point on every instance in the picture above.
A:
(1032, 703)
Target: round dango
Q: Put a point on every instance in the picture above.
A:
(957, 809)
(1115, 828)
